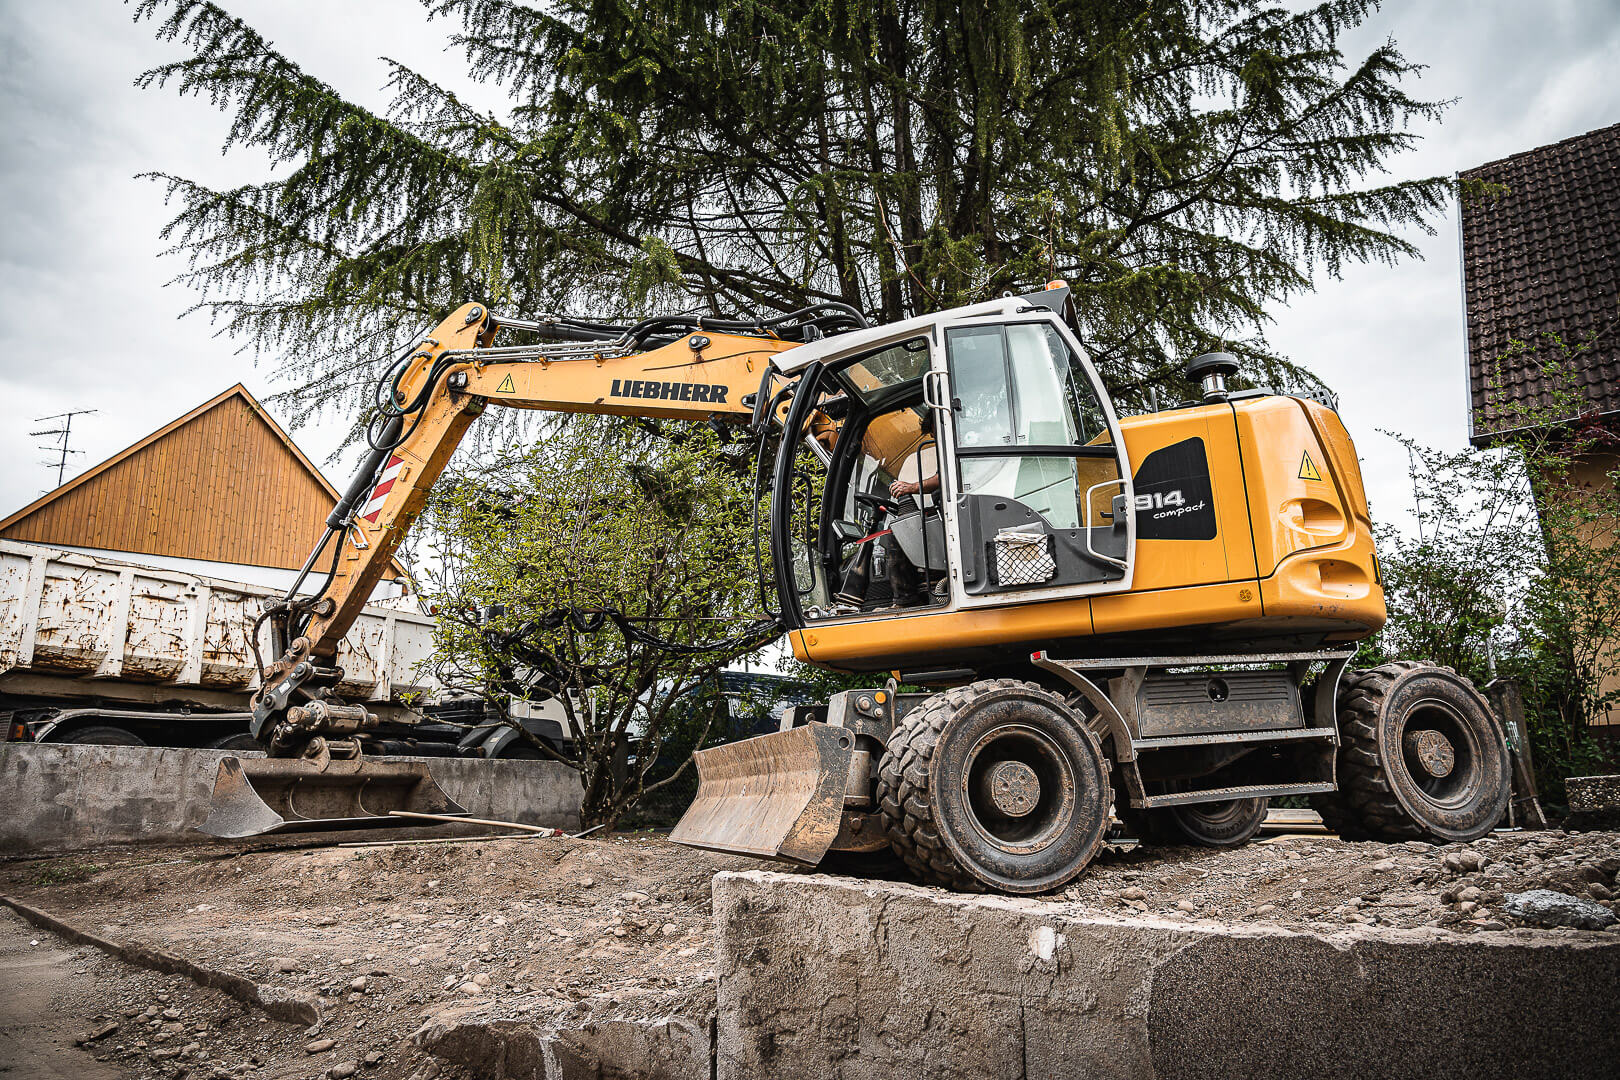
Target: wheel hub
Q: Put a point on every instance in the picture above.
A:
(1433, 751)
(1012, 787)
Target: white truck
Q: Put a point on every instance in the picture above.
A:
(93, 650)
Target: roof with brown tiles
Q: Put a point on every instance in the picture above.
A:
(1541, 260)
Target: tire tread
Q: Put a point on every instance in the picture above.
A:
(903, 793)
(1365, 807)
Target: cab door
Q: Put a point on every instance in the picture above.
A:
(1041, 504)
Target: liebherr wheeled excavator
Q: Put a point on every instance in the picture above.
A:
(1152, 612)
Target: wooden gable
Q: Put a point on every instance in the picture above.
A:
(223, 483)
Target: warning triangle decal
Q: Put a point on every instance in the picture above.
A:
(1307, 468)
(506, 387)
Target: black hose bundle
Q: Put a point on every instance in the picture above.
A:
(804, 324)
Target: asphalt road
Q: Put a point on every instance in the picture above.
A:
(36, 1031)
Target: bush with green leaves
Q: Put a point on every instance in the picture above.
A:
(607, 569)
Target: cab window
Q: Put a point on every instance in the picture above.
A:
(877, 372)
(1034, 452)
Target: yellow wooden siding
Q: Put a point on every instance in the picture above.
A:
(222, 484)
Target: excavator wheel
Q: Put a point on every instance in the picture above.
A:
(1226, 824)
(1421, 757)
(996, 784)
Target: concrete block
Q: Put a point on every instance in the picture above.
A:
(835, 978)
(1594, 802)
(61, 796)
(660, 1048)
(1593, 793)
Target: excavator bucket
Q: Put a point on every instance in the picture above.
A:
(255, 796)
(780, 795)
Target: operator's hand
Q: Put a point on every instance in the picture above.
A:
(901, 488)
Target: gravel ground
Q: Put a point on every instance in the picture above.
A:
(128, 1021)
(387, 938)
(563, 932)
(1321, 882)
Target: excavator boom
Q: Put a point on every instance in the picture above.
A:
(316, 776)
(460, 372)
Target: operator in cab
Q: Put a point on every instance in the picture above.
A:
(904, 548)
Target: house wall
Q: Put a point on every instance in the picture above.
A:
(220, 488)
(1593, 473)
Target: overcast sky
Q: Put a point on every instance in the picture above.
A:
(87, 322)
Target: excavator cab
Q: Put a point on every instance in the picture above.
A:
(946, 465)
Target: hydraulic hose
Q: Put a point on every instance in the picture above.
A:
(365, 478)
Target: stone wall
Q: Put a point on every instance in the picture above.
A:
(838, 979)
(62, 796)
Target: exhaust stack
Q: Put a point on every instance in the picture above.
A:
(1211, 370)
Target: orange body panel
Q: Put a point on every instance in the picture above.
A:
(1174, 564)
(1291, 559)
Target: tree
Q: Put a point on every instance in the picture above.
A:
(1454, 583)
(604, 570)
(1183, 163)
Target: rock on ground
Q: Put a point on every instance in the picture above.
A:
(1543, 907)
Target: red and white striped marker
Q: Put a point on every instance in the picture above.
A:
(379, 494)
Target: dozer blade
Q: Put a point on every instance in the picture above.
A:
(779, 795)
(255, 796)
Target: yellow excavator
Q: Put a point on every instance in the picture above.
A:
(1063, 611)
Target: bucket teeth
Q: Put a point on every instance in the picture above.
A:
(780, 796)
(255, 796)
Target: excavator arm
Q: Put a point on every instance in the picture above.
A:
(451, 378)
(315, 776)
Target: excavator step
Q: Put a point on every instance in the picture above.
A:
(1246, 791)
(257, 796)
(1170, 742)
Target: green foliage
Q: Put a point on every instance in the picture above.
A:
(1453, 585)
(1514, 568)
(602, 514)
(1183, 163)
(66, 873)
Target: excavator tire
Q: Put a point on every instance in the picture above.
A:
(1227, 824)
(1421, 757)
(996, 784)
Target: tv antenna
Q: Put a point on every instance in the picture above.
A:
(60, 446)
